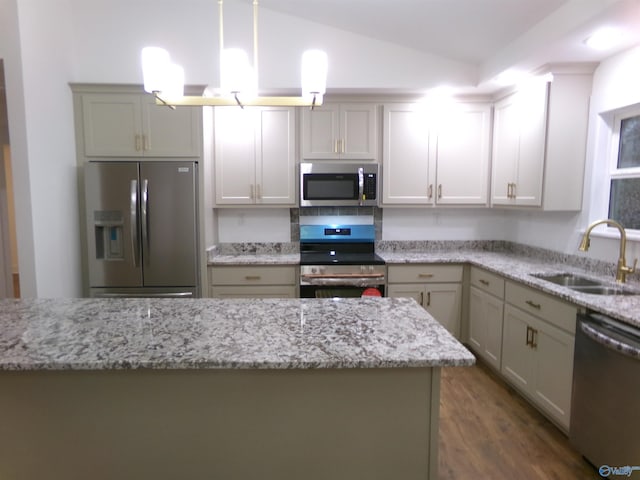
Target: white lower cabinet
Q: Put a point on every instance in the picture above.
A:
(254, 281)
(537, 349)
(438, 288)
(486, 306)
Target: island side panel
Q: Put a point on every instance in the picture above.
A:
(231, 424)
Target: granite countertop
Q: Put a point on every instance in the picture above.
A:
(516, 266)
(519, 267)
(99, 334)
(255, 259)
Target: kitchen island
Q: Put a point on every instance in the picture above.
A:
(233, 389)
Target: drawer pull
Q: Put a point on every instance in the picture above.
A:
(484, 282)
(425, 275)
(537, 306)
(252, 277)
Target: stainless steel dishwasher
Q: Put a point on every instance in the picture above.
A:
(605, 403)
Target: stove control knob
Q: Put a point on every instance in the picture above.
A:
(314, 270)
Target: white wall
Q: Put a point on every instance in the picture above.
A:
(443, 224)
(38, 54)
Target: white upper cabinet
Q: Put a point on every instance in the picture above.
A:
(254, 156)
(340, 131)
(436, 158)
(463, 138)
(518, 151)
(406, 171)
(539, 143)
(132, 125)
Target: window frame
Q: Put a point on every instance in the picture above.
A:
(613, 172)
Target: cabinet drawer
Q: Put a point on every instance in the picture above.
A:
(252, 275)
(554, 311)
(424, 273)
(488, 282)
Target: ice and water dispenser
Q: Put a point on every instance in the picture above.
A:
(109, 234)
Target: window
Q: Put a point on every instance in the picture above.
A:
(624, 194)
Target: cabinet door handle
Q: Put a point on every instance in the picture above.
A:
(430, 191)
(146, 144)
(537, 306)
(342, 142)
(421, 298)
(534, 338)
(484, 282)
(138, 144)
(258, 192)
(440, 191)
(251, 191)
(529, 336)
(428, 299)
(252, 277)
(425, 275)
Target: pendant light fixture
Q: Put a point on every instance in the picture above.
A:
(238, 78)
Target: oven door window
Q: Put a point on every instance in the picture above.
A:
(329, 186)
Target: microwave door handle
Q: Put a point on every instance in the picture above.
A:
(360, 185)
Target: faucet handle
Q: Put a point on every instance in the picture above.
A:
(627, 269)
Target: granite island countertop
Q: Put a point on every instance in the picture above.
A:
(100, 334)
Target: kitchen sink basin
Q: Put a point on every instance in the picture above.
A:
(603, 290)
(582, 284)
(569, 280)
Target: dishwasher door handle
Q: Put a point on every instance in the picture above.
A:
(629, 349)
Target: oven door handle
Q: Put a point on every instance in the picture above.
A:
(342, 275)
(360, 186)
(630, 349)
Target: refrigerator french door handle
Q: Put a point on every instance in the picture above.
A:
(134, 221)
(144, 213)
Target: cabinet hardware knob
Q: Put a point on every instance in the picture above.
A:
(537, 306)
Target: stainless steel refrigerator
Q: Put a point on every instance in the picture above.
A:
(142, 228)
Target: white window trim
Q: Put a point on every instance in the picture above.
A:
(613, 172)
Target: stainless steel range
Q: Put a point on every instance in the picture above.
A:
(340, 261)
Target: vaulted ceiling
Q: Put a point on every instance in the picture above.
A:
(492, 35)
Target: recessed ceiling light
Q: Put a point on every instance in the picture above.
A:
(604, 39)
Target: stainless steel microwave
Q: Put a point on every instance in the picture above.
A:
(330, 184)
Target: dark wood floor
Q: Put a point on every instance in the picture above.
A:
(487, 431)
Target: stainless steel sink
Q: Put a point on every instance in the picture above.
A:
(604, 290)
(582, 284)
(568, 280)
